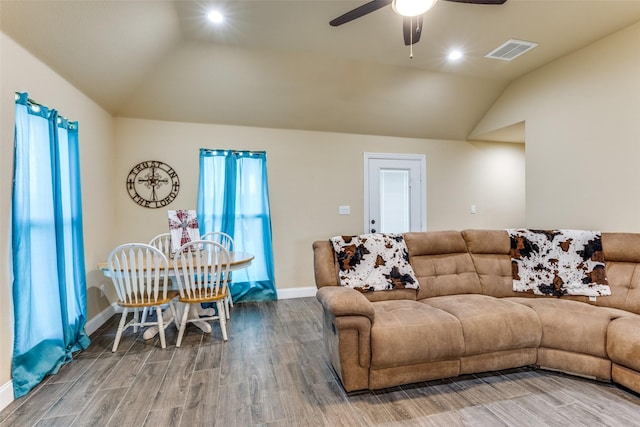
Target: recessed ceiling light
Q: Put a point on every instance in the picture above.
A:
(215, 16)
(454, 55)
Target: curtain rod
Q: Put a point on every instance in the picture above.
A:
(29, 100)
(227, 150)
(32, 102)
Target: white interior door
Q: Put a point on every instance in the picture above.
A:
(395, 193)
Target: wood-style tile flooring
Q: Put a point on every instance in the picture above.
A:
(273, 371)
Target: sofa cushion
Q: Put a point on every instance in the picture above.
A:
(374, 262)
(408, 332)
(623, 342)
(491, 324)
(442, 264)
(571, 325)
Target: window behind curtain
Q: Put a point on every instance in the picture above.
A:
(233, 197)
(49, 284)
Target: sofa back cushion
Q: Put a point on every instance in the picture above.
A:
(622, 264)
(490, 252)
(441, 263)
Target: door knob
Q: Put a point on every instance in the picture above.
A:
(373, 230)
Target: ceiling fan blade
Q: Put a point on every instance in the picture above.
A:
(479, 1)
(365, 9)
(412, 29)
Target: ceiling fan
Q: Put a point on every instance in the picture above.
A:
(411, 10)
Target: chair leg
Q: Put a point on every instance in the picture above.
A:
(228, 301)
(145, 312)
(123, 319)
(222, 319)
(136, 323)
(174, 314)
(183, 324)
(163, 342)
(229, 293)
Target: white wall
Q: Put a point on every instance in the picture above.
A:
(20, 71)
(312, 173)
(582, 118)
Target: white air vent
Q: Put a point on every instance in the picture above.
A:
(510, 49)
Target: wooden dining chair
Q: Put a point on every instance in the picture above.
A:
(201, 268)
(139, 273)
(227, 241)
(218, 236)
(163, 242)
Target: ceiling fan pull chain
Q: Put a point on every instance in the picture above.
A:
(411, 39)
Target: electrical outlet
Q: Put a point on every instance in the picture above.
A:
(344, 210)
(101, 291)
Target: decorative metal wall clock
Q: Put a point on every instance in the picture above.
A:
(153, 184)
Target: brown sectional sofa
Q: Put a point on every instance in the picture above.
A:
(465, 317)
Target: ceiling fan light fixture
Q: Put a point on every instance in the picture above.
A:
(412, 7)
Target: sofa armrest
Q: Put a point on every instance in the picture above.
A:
(347, 319)
(343, 301)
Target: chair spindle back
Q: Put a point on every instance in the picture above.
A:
(201, 268)
(139, 273)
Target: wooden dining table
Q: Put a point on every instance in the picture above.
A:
(237, 261)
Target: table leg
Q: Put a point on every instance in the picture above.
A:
(194, 313)
(152, 331)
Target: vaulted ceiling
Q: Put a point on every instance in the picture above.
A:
(279, 63)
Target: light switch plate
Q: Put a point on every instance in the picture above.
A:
(344, 210)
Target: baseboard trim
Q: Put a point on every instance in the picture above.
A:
(96, 321)
(6, 394)
(289, 293)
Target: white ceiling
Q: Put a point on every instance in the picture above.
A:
(280, 64)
